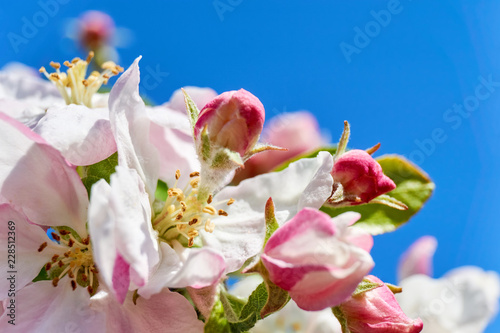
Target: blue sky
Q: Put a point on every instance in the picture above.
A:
(402, 83)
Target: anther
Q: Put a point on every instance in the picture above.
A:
(71, 242)
(84, 277)
(55, 281)
(194, 182)
(193, 233)
(90, 290)
(191, 242)
(75, 60)
(194, 174)
(55, 65)
(42, 70)
(230, 202)
(63, 232)
(43, 246)
(210, 198)
(209, 210)
(222, 212)
(73, 284)
(68, 64)
(89, 57)
(55, 236)
(179, 217)
(86, 240)
(177, 174)
(183, 206)
(209, 226)
(67, 253)
(60, 263)
(193, 221)
(54, 258)
(71, 274)
(48, 266)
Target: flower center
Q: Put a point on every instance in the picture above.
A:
(76, 263)
(81, 89)
(185, 215)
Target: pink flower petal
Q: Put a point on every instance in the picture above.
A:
(41, 307)
(27, 239)
(31, 172)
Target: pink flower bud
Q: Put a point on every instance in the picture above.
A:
(234, 120)
(317, 259)
(377, 311)
(361, 176)
(96, 28)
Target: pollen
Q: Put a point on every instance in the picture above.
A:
(184, 215)
(73, 85)
(76, 262)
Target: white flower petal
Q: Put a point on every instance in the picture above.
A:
(82, 135)
(120, 222)
(130, 125)
(305, 183)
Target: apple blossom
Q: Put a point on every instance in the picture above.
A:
(228, 225)
(319, 260)
(41, 190)
(376, 311)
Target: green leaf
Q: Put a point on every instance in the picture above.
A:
(161, 191)
(251, 311)
(192, 109)
(414, 187)
(102, 170)
(332, 150)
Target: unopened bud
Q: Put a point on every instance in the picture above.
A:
(361, 176)
(234, 120)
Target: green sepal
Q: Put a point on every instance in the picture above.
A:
(341, 318)
(217, 322)
(271, 222)
(364, 286)
(42, 276)
(192, 109)
(413, 188)
(102, 170)
(206, 147)
(344, 139)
